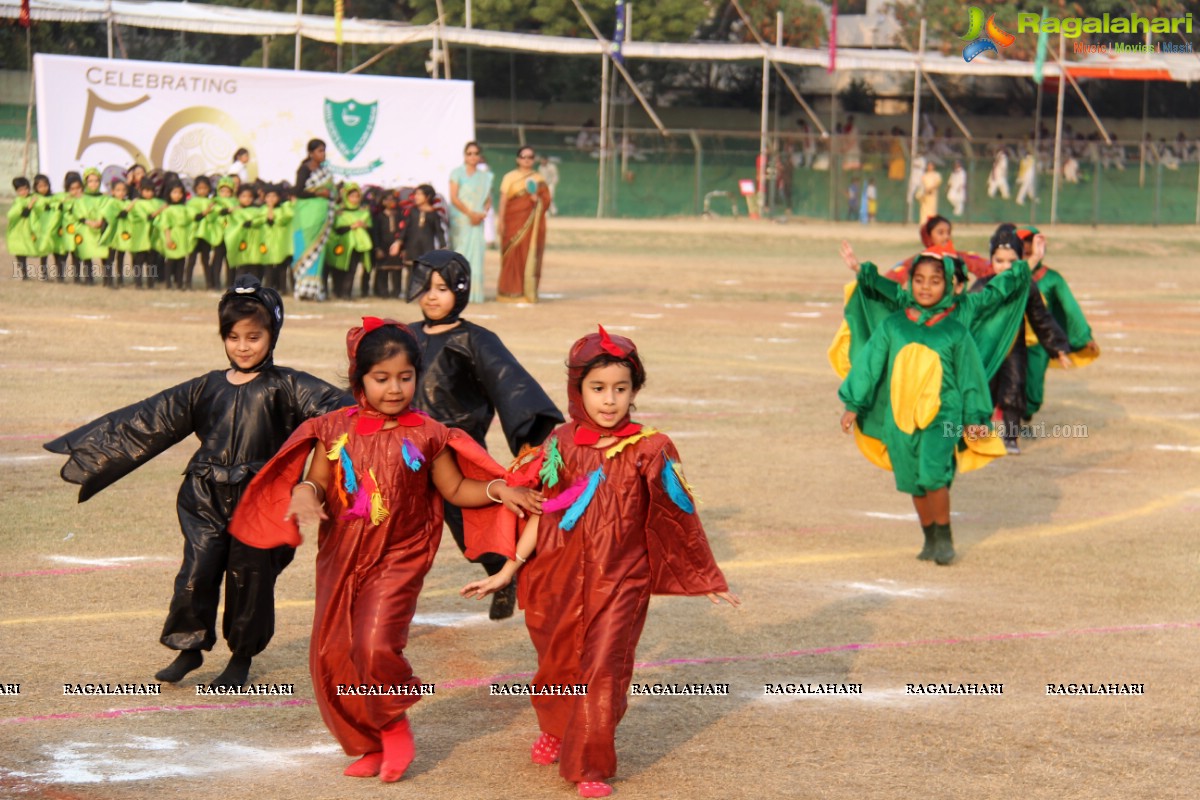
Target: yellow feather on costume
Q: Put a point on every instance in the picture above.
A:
(916, 387)
(335, 452)
(378, 512)
(677, 468)
(621, 445)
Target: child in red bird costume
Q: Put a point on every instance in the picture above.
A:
(375, 486)
(620, 524)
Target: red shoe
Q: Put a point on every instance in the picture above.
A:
(593, 789)
(545, 750)
(365, 767)
(398, 750)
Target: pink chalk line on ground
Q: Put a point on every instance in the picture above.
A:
(125, 712)
(851, 647)
(460, 683)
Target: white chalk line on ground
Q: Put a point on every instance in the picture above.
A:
(145, 758)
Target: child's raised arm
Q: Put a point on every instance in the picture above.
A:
(307, 507)
(494, 583)
(468, 493)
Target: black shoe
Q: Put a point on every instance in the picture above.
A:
(185, 662)
(1012, 447)
(504, 602)
(234, 675)
(943, 545)
(926, 553)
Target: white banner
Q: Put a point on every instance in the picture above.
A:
(191, 119)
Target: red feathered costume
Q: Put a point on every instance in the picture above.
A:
(976, 264)
(370, 567)
(587, 589)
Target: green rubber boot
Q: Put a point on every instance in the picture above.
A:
(943, 545)
(926, 553)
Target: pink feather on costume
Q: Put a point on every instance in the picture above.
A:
(567, 497)
(361, 509)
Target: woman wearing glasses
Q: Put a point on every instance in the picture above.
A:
(521, 228)
(470, 201)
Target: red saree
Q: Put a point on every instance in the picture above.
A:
(527, 198)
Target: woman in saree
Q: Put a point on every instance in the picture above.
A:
(470, 201)
(521, 229)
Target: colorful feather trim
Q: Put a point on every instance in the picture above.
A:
(582, 501)
(621, 445)
(413, 458)
(552, 464)
(338, 446)
(677, 488)
(378, 511)
(348, 477)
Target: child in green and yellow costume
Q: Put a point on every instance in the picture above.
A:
(177, 233)
(241, 235)
(144, 234)
(275, 238)
(350, 243)
(916, 396)
(1065, 309)
(22, 234)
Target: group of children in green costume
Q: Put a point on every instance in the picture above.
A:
(152, 230)
(928, 367)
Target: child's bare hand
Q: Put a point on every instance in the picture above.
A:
(847, 254)
(305, 510)
(394, 250)
(1064, 360)
(728, 597)
(848, 420)
(481, 589)
(521, 499)
(976, 432)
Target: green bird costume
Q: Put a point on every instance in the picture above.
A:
(176, 218)
(119, 235)
(209, 225)
(23, 234)
(1065, 309)
(345, 241)
(242, 237)
(275, 234)
(915, 386)
(144, 234)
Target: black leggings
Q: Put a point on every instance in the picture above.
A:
(210, 556)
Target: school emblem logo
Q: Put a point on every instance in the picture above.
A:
(978, 43)
(350, 124)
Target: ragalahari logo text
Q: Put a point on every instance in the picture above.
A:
(982, 37)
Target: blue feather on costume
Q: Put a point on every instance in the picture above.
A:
(675, 490)
(581, 503)
(412, 456)
(350, 482)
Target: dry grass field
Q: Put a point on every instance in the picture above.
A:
(1078, 563)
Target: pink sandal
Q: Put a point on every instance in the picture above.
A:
(593, 789)
(545, 750)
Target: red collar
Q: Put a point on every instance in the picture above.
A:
(371, 421)
(914, 314)
(589, 437)
(1040, 273)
